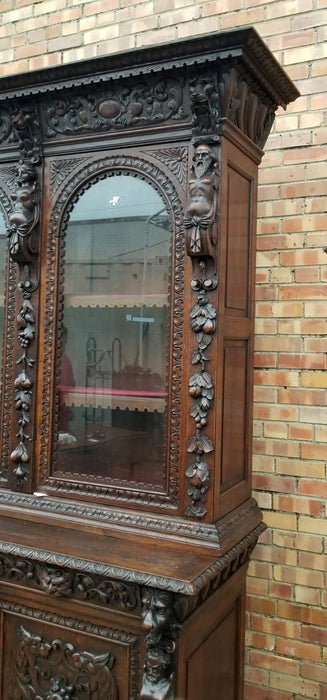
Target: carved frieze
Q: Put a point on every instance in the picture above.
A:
(51, 669)
(68, 583)
(118, 106)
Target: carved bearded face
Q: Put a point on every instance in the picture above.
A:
(203, 159)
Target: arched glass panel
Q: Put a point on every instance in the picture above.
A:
(3, 264)
(113, 384)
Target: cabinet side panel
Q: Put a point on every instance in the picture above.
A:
(238, 242)
(234, 414)
(212, 669)
(234, 376)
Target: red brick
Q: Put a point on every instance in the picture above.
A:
(276, 378)
(301, 361)
(289, 629)
(266, 292)
(257, 586)
(256, 675)
(302, 291)
(272, 661)
(258, 640)
(313, 487)
(262, 605)
(316, 635)
(281, 590)
(265, 360)
(254, 692)
(301, 432)
(310, 560)
(302, 613)
(306, 397)
(314, 672)
(298, 505)
(311, 451)
(296, 649)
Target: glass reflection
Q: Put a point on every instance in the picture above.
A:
(3, 260)
(114, 338)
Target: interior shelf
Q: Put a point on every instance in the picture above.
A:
(116, 398)
(115, 300)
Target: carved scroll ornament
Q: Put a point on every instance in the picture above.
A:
(63, 582)
(118, 107)
(200, 219)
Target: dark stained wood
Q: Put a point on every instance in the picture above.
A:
(124, 547)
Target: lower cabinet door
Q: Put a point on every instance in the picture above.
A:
(51, 656)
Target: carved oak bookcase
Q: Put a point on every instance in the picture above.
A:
(128, 209)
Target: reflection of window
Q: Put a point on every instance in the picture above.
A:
(112, 414)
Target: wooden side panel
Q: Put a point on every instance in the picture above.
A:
(211, 646)
(213, 666)
(236, 320)
(238, 242)
(234, 413)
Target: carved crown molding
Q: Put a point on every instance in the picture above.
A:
(242, 43)
(241, 80)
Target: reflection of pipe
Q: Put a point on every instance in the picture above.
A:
(116, 341)
(91, 349)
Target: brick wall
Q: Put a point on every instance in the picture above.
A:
(287, 584)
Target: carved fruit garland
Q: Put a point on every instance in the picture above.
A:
(201, 389)
(22, 234)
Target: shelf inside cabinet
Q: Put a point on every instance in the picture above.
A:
(115, 300)
(116, 398)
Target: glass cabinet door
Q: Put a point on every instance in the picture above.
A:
(112, 369)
